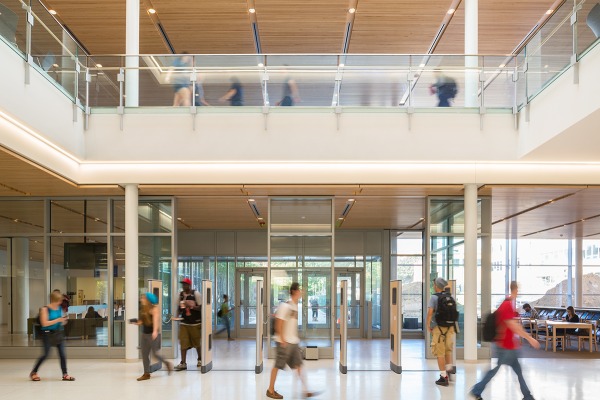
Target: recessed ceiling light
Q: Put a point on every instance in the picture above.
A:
(451, 11)
(261, 65)
(546, 66)
(55, 65)
(342, 65)
(421, 65)
(251, 10)
(550, 11)
(53, 12)
(350, 199)
(501, 65)
(152, 11)
(352, 10)
(98, 65)
(251, 200)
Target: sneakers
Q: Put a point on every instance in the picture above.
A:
(144, 377)
(443, 381)
(230, 339)
(199, 363)
(274, 395)
(181, 367)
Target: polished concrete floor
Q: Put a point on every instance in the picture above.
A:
(233, 378)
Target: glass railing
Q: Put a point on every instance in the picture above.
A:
(405, 83)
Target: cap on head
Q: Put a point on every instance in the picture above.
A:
(186, 281)
(440, 283)
(151, 297)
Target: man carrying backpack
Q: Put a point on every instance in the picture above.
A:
(443, 329)
(507, 345)
(190, 315)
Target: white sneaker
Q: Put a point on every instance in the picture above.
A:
(199, 364)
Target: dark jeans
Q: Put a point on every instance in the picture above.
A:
(226, 321)
(444, 101)
(511, 359)
(61, 353)
(150, 345)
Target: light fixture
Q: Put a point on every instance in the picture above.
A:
(341, 65)
(98, 65)
(352, 10)
(260, 65)
(53, 12)
(546, 66)
(501, 65)
(550, 11)
(251, 10)
(451, 11)
(152, 11)
(251, 200)
(421, 65)
(55, 65)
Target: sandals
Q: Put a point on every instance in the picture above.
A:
(34, 377)
(67, 377)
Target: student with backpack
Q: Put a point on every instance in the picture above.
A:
(445, 88)
(287, 341)
(190, 315)
(507, 344)
(51, 322)
(442, 316)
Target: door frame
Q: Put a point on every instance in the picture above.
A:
(237, 330)
(354, 332)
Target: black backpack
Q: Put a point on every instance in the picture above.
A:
(446, 312)
(489, 332)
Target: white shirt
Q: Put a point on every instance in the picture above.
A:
(288, 312)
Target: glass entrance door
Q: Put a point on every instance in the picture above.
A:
(316, 304)
(244, 312)
(354, 301)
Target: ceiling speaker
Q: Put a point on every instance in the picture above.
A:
(593, 20)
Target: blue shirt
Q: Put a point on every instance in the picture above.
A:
(52, 315)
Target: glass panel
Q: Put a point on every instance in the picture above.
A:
(104, 85)
(285, 252)
(119, 291)
(78, 216)
(155, 216)
(407, 261)
(79, 269)
(118, 216)
(585, 36)
(591, 273)
(318, 299)
(549, 51)
(22, 288)
(248, 299)
(304, 80)
(350, 261)
(446, 216)
(14, 22)
(301, 215)
(21, 217)
(352, 299)
(373, 81)
(252, 262)
(498, 75)
(155, 263)
(373, 289)
(53, 50)
(225, 285)
(317, 252)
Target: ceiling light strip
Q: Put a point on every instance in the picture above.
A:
(563, 225)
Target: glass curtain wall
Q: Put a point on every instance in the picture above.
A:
(301, 237)
(407, 254)
(77, 246)
(591, 273)
(446, 251)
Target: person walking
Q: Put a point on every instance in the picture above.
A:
(507, 345)
(442, 341)
(235, 94)
(445, 88)
(150, 342)
(190, 315)
(225, 315)
(52, 322)
(287, 340)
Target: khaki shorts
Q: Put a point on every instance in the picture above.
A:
(442, 342)
(290, 355)
(189, 336)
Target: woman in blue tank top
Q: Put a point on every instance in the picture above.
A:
(52, 321)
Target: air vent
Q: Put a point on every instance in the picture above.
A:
(165, 38)
(347, 38)
(256, 38)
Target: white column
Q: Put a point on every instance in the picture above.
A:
(132, 48)
(20, 289)
(471, 47)
(131, 270)
(470, 328)
(578, 272)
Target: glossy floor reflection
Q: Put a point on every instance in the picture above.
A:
(101, 379)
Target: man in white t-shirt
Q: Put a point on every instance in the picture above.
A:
(286, 337)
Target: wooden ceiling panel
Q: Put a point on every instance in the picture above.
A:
(101, 26)
(207, 26)
(392, 26)
(301, 26)
(502, 26)
(219, 213)
(384, 213)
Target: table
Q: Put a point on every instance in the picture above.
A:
(570, 325)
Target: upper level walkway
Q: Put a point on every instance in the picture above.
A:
(355, 117)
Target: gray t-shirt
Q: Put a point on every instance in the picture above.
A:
(432, 303)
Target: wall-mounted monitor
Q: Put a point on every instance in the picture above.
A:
(85, 256)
